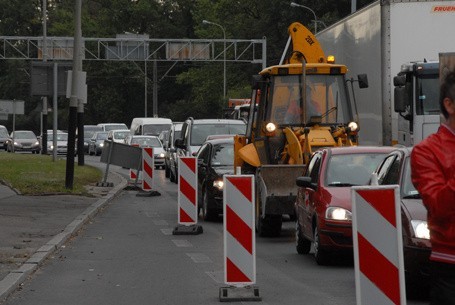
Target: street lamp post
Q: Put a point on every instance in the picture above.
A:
(293, 4)
(224, 53)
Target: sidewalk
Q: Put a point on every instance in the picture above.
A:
(33, 227)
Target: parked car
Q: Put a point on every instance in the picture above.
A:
(3, 136)
(323, 204)
(215, 159)
(170, 157)
(96, 144)
(89, 130)
(149, 141)
(396, 169)
(62, 142)
(118, 135)
(23, 140)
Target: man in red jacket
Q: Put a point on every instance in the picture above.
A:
(433, 174)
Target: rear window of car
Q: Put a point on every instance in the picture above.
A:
(201, 131)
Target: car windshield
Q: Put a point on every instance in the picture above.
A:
(3, 133)
(407, 188)
(60, 137)
(223, 155)
(121, 134)
(101, 136)
(352, 169)
(155, 129)
(146, 142)
(201, 131)
(24, 135)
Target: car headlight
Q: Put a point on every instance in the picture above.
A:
(336, 213)
(420, 228)
(270, 127)
(101, 144)
(219, 184)
(353, 126)
(161, 155)
(51, 147)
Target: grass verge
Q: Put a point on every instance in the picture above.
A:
(34, 174)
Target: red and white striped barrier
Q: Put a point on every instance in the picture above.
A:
(378, 245)
(187, 195)
(239, 237)
(135, 174)
(148, 161)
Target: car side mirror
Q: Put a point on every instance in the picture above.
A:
(305, 182)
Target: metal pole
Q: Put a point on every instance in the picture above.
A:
(14, 123)
(155, 88)
(224, 53)
(77, 67)
(55, 113)
(145, 88)
(293, 4)
(44, 111)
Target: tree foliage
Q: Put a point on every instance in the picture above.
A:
(116, 90)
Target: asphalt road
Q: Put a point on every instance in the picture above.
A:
(128, 255)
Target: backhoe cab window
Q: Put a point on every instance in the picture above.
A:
(325, 98)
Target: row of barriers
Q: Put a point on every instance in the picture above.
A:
(378, 250)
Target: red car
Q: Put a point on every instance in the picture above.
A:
(323, 204)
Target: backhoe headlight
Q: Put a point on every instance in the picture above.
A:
(420, 228)
(219, 184)
(336, 213)
(353, 126)
(270, 127)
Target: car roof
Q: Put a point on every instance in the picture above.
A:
(359, 149)
(225, 140)
(221, 121)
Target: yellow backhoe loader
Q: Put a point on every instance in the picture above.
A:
(303, 104)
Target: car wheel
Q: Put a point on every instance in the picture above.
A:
(302, 244)
(207, 213)
(172, 177)
(320, 255)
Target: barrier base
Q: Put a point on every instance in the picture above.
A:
(105, 184)
(148, 194)
(187, 230)
(240, 294)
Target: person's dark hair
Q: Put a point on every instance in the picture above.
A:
(447, 90)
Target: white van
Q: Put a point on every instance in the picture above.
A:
(150, 126)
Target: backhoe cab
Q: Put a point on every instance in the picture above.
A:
(303, 105)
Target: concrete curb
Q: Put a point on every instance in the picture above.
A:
(16, 277)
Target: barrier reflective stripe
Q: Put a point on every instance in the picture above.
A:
(147, 168)
(239, 237)
(378, 245)
(187, 195)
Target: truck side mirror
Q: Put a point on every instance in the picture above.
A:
(363, 81)
(400, 99)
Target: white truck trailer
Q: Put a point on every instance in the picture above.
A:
(380, 40)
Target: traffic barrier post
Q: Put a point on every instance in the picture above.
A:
(187, 198)
(378, 245)
(239, 239)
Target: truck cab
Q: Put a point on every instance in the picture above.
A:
(416, 96)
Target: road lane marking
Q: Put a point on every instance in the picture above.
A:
(182, 243)
(167, 231)
(199, 257)
(160, 222)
